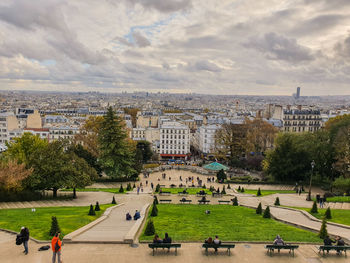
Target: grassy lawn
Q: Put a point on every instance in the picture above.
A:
(108, 190)
(340, 216)
(191, 191)
(267, 192)
(340, 199)
(39, 222)
(231, 223)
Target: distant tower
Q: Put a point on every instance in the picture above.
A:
(298, 93)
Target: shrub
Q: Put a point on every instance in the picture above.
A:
(323, 231)
(134, 186)
(54, 226)
(154, 210)
(239, 188)
(328, 213)
(259, 209)
(221, 175)
(314, 208)
(128, 187)
(235, 201)
(223, 190)
(259, 192)
(277, 201)
(218, 191)
(242, 190)
(211, 189)
(228, 186)
(92, 211)
(97, 207)
(155, 200)
(121, 189)
(150, 231)
(113, 201)
(157, 188)
(204, 187)
(267, 213)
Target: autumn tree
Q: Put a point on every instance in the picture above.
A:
(88, 135)
(12, 176)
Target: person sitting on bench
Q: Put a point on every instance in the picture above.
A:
(203, 199)
(217, 241)
(327, 241)
(278, 241)
(167, 239)
(209, 240)
(340, 243)
(184, 191)
(128, 216)
(137, 215)
(157, 239)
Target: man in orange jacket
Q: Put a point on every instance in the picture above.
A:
(56, 246)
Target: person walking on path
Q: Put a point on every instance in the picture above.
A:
(24, 235)
(56, 246)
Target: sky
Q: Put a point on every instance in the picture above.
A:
(265, 47)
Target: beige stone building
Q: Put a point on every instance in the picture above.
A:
(299, 120)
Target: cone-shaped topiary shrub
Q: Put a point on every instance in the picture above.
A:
(223, 190)
(121, 189)
(328, 213)
(259, 192)
(157, 188)
(277, 201)
(150, 231)
(314, 208)
(228, 186)
(92, 211)
(259, 209)
(154, 210)
(113, 201)
(235, 201)
(128, 187)
(267, 213)
(155, 200)
(97, 207)
(242, 190)
(239, 188)
(323, 231)
(54, 226)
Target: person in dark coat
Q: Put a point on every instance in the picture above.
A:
(167, 239)
(24, 234)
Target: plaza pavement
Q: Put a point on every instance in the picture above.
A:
(190, 252)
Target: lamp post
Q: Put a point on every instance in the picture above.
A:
(312, 171)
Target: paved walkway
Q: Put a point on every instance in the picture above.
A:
(115, 227)
(189, 252)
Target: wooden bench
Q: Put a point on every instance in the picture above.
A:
(270, 248)
(185, 201)
(224, 202)
(204, 201)
(227, 246)
(165, 193)
(165, 201)
(164, 245)
(335, 248)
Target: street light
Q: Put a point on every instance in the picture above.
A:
(312, 171)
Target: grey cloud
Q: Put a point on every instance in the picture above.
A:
(165, 6)
(140, 40)
(164, 77)
(276, 47)
(328, 4)
(123, 41)
(318, 23)
(207, 66)
(343, 49)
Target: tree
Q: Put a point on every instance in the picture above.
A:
(150, 231)
(259, 192)
(133, 113)
(267, 213)
(121, 189)
(92, 211)
(342, 151)
(145, 149)
(277, 201)
(235, 201)
(242, 190)
(54, 226)
(157, 188)
(113, 201)
(155, 200)
(116, 153)
(12, 176)
(154, 211)
(97, 207)
(231, 141)
(323, 231)
(314, 208)
(260, 135)
(128, 187)
(259, 209)
(221, 175)
(55, 168)
(23, 148)
(239, 188)
(328, 214)
(88, 135)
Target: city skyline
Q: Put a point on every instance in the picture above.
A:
(181, 46)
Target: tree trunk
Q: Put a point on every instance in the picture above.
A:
(74, 193)
(54, 193)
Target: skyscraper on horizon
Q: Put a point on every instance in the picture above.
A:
(297, 96)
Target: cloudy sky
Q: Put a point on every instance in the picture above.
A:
(266, 47)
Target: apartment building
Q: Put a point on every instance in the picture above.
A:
(206, 138)
(299, 120)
